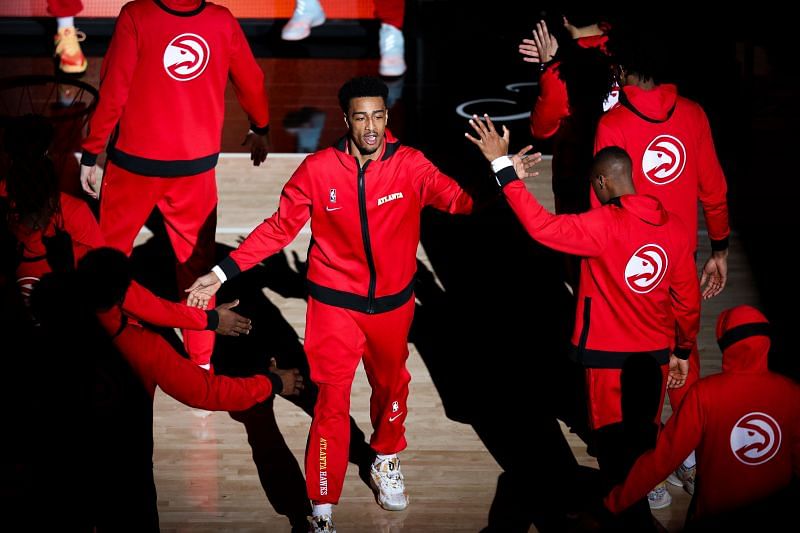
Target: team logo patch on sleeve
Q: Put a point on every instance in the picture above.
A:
(755, 438)
(646, 268)
(186, 57)
(664, 159)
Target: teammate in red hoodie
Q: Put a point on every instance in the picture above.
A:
(744, 424)
(129, 362)
(363, 197)
(573, 93)
(670, 142)
(162, 101)
(637, 276)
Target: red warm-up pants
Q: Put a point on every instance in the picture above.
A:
(64, 8)
(189, 207)
(604, 395)
(390, 12)
(336, 340)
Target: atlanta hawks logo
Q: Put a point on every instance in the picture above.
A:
(186, 57)
(646, 268)
(664, 159)
(755, 438)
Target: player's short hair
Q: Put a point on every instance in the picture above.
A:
(362, 86)
(613, 156)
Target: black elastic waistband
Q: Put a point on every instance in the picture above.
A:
(160, 168)
(607, 359)
(356, 302)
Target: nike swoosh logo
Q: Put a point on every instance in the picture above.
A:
(393, 418)
(328, 208)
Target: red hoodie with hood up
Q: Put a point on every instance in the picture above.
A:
(744, 424)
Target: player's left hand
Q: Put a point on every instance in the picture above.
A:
(678, 370)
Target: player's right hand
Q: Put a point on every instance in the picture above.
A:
(291, 378)
(202, 290)
(89, 180)
(232, 323)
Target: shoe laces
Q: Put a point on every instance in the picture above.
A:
(74, 35)
(68, 41)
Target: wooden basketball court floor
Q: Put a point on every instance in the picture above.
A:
(206, 478)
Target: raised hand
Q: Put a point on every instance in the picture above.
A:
(489, 142)
(523, 163)
(202, 290)
(542, 48)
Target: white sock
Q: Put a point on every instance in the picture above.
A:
(379, 457)
(65, 22)
(690, 461)
(320, 509)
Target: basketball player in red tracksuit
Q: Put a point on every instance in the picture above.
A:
(76, 220)
(637, 277)
(126, 494)
(364, 198)
(162, 95)
(669, 140)
(570, 124)
(744, 424)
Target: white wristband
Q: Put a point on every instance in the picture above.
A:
(500, 163)
(220, 274)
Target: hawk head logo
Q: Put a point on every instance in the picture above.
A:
(664, 159)
(755, 438)
(646, 268)
(186, 57)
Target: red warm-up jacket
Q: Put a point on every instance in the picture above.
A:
(669, 140)
(158, 364)
(364, 222)
(162, 87)
(637, 274)
(744, 425)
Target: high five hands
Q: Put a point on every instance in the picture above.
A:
(492, 146)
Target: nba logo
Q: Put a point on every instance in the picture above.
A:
(333, 196)
(395, 407)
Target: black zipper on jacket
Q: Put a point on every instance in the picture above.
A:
(362, 209)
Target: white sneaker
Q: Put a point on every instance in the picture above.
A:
(321, 524)
(387, 483)
(683, 477)
(393, 51)
(659, 497)
(307, 14)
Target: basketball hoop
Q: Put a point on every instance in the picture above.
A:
(67, 102)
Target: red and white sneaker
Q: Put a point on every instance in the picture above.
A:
(307, 14)
(68, 50)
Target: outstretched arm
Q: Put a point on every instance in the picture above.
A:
(585, 235)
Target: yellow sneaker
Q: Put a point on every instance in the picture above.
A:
(68, 49)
